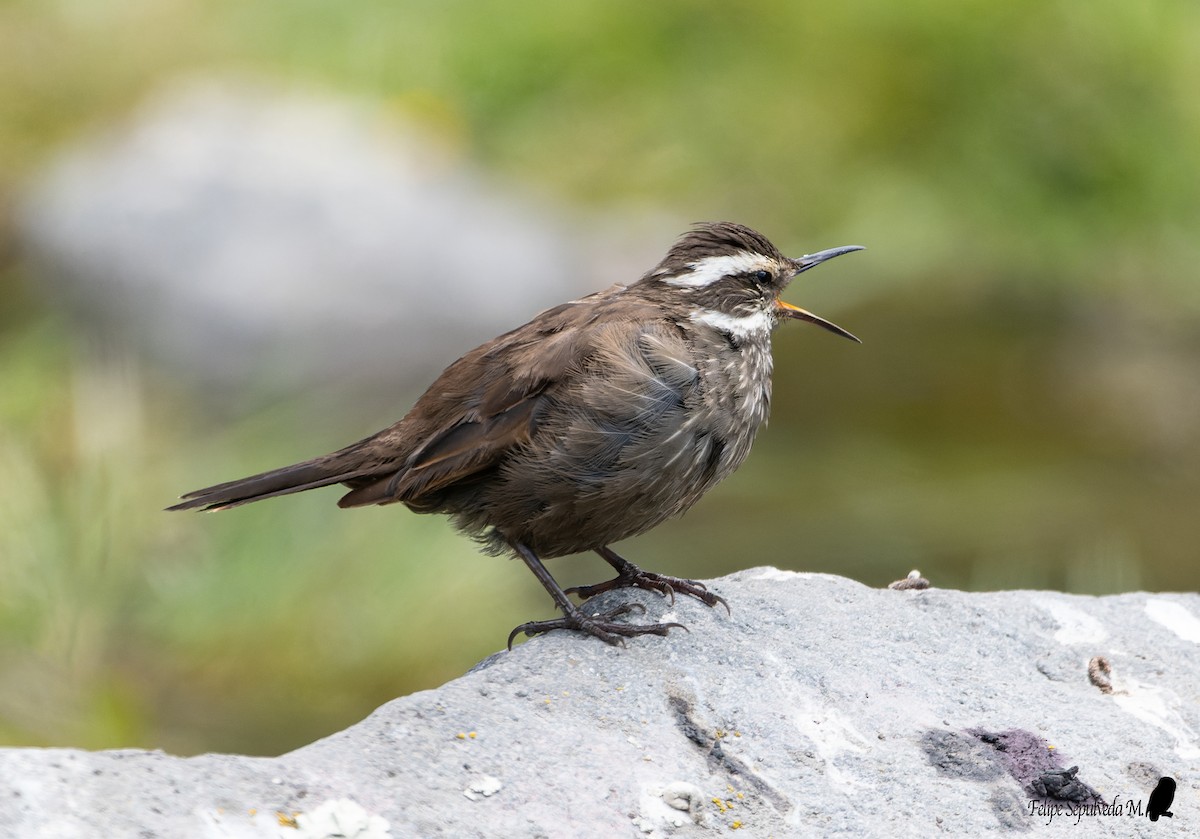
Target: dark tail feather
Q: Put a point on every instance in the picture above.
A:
(296, 478)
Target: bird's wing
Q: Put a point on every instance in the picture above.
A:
(483, 405)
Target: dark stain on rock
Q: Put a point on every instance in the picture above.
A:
(958, 755)
(1039, 769)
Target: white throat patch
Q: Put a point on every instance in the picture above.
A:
(740, 327)
(713, 268)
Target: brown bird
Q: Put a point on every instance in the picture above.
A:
(596, 421)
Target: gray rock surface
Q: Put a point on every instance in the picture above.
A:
(248, 234)
(819, 707)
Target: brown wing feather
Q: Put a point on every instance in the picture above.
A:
(478, 411)
(457, 454)
(481, 408)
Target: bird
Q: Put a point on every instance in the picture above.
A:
(594, 422)
(1161, 798)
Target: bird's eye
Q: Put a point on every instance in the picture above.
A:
(762, 276)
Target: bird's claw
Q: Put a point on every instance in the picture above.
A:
(661, 583)
(601, 626)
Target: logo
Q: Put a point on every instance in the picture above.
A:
(1161, 798)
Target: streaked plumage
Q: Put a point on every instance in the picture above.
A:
(596, 421)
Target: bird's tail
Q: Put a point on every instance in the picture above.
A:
(319, 472)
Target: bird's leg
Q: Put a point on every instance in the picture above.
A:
(629, 575)
(602, 626)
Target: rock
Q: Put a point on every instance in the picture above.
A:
(819, 707)
(252, 236)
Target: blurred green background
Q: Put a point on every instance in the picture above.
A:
(1024, 412)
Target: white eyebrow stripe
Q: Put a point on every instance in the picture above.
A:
(712, 268)
(739, 327)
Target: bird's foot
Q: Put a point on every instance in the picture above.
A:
(630, 576)
(601, 626)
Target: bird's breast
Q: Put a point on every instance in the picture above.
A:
(637, 435)
(736, 374)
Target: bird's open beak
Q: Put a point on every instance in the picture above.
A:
(802, 264)
(787, 310)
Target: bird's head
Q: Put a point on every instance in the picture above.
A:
(732, 278)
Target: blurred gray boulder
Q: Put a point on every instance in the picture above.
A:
(247, 235)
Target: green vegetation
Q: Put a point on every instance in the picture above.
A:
(1024, 411)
